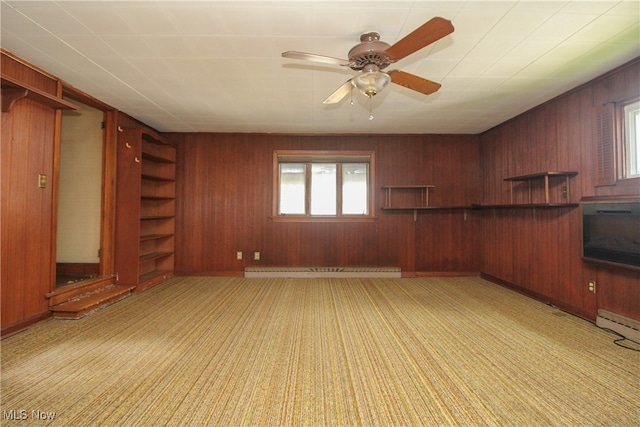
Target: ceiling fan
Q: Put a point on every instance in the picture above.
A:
(371, 56)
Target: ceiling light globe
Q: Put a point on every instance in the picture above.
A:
(370, 83)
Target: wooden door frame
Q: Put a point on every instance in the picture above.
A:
(107, 219)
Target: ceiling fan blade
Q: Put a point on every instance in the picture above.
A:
(340, 93)
(431, 31)
(414, 82)
(315, 58)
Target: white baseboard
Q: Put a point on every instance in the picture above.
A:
(322, 272)
(628, 328)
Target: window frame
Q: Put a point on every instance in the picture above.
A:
(623, 145)
(324, 156)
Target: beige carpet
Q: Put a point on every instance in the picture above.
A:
(316, 352)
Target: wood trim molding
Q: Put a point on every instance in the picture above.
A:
(16, 327)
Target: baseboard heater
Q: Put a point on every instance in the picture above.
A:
(628, 328)
(319, 272)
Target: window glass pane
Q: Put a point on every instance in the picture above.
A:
(632, 139)
(355, 178)
(292, 188)
(323, 189)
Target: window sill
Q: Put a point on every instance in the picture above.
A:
(300, 218)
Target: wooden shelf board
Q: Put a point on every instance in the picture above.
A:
(156, 178)
(526, 205)
(14, 90)
(408, 187)
(424, 208)
(158, 197)
(152, 217)
(154, 255)
(154, 237)
(153, 137)
(156, 158)
(152, 278)
(540, 175)
(153, 274)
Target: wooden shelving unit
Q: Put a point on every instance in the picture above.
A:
(422, 191)
(145, 217)
(419, 199)
(545, 201)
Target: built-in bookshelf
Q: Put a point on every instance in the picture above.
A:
(145, 208)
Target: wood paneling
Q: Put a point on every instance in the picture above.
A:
(27, 148)
(540, 250)
(225, 199)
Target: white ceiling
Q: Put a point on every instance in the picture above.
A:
(216, 66)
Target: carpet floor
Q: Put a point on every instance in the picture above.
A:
(231, 351)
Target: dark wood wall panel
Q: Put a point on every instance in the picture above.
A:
(540, 250)
(447, 241)
(28, 138)
(225, 201)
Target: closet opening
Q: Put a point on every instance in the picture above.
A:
(81, 196)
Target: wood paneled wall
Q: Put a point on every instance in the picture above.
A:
(225, 201)
(28, 138)
(540, 251)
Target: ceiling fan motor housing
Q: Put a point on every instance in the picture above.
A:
(369, 51)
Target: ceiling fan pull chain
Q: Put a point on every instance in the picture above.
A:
(370, 108)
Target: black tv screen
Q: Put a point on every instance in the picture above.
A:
(611, 232)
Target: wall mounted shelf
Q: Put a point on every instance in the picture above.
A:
(530, 180)
(14, 90)
(428, 208)
(527, 206)
(421, 190)
(543, 177)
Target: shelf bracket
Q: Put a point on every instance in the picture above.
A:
(10, 96)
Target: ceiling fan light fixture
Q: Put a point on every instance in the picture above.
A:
(371, 82)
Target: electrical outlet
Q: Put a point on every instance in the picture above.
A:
(256, 256)
(239, 255)
(592, 286)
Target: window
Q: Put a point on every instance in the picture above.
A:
(631, 124)
(323, 185)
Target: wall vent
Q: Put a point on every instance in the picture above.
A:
(315, 272)
(628, 328)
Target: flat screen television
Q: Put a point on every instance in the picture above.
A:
(611, 233)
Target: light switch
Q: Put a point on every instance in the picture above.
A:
(42, 180)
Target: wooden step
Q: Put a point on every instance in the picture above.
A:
(66, 293)
(90, 301)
